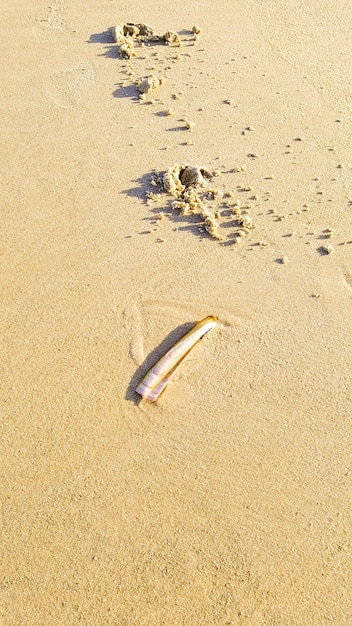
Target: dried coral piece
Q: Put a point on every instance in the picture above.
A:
(127, 50)
(189, 125)
(171, 181)
(117, 33)
(152, 197)
(214, 192)
(148, 84)
(172, 39)
(181, 181)
(142, 34)
(181, 206)
(245, 221)
(330, 232)
(212, 227)
(328, 249)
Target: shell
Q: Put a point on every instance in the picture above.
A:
(155, 381)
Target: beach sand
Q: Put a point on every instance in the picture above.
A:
(227, 502)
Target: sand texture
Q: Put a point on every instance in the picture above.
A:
(147, 184)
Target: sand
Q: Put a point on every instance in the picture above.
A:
(227, 502)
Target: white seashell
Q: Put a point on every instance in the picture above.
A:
(155, 381)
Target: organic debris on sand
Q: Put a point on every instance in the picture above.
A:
(148, 84)
(192, 193)
(181, 181)
(127, 34)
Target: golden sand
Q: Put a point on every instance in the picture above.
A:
(228, 501)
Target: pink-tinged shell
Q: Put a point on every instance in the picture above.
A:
(155, 381)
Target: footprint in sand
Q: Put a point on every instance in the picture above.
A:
(55, 19)
(132, 324)
(346, 278)
(69, 86)
(153, 320)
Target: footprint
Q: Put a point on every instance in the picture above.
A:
(151, 321)
(132, 324)
(346, 278)
(68, 87)
(55, 18)
(177, 309)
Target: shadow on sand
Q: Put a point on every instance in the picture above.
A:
(191, 222)
(153, 357)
